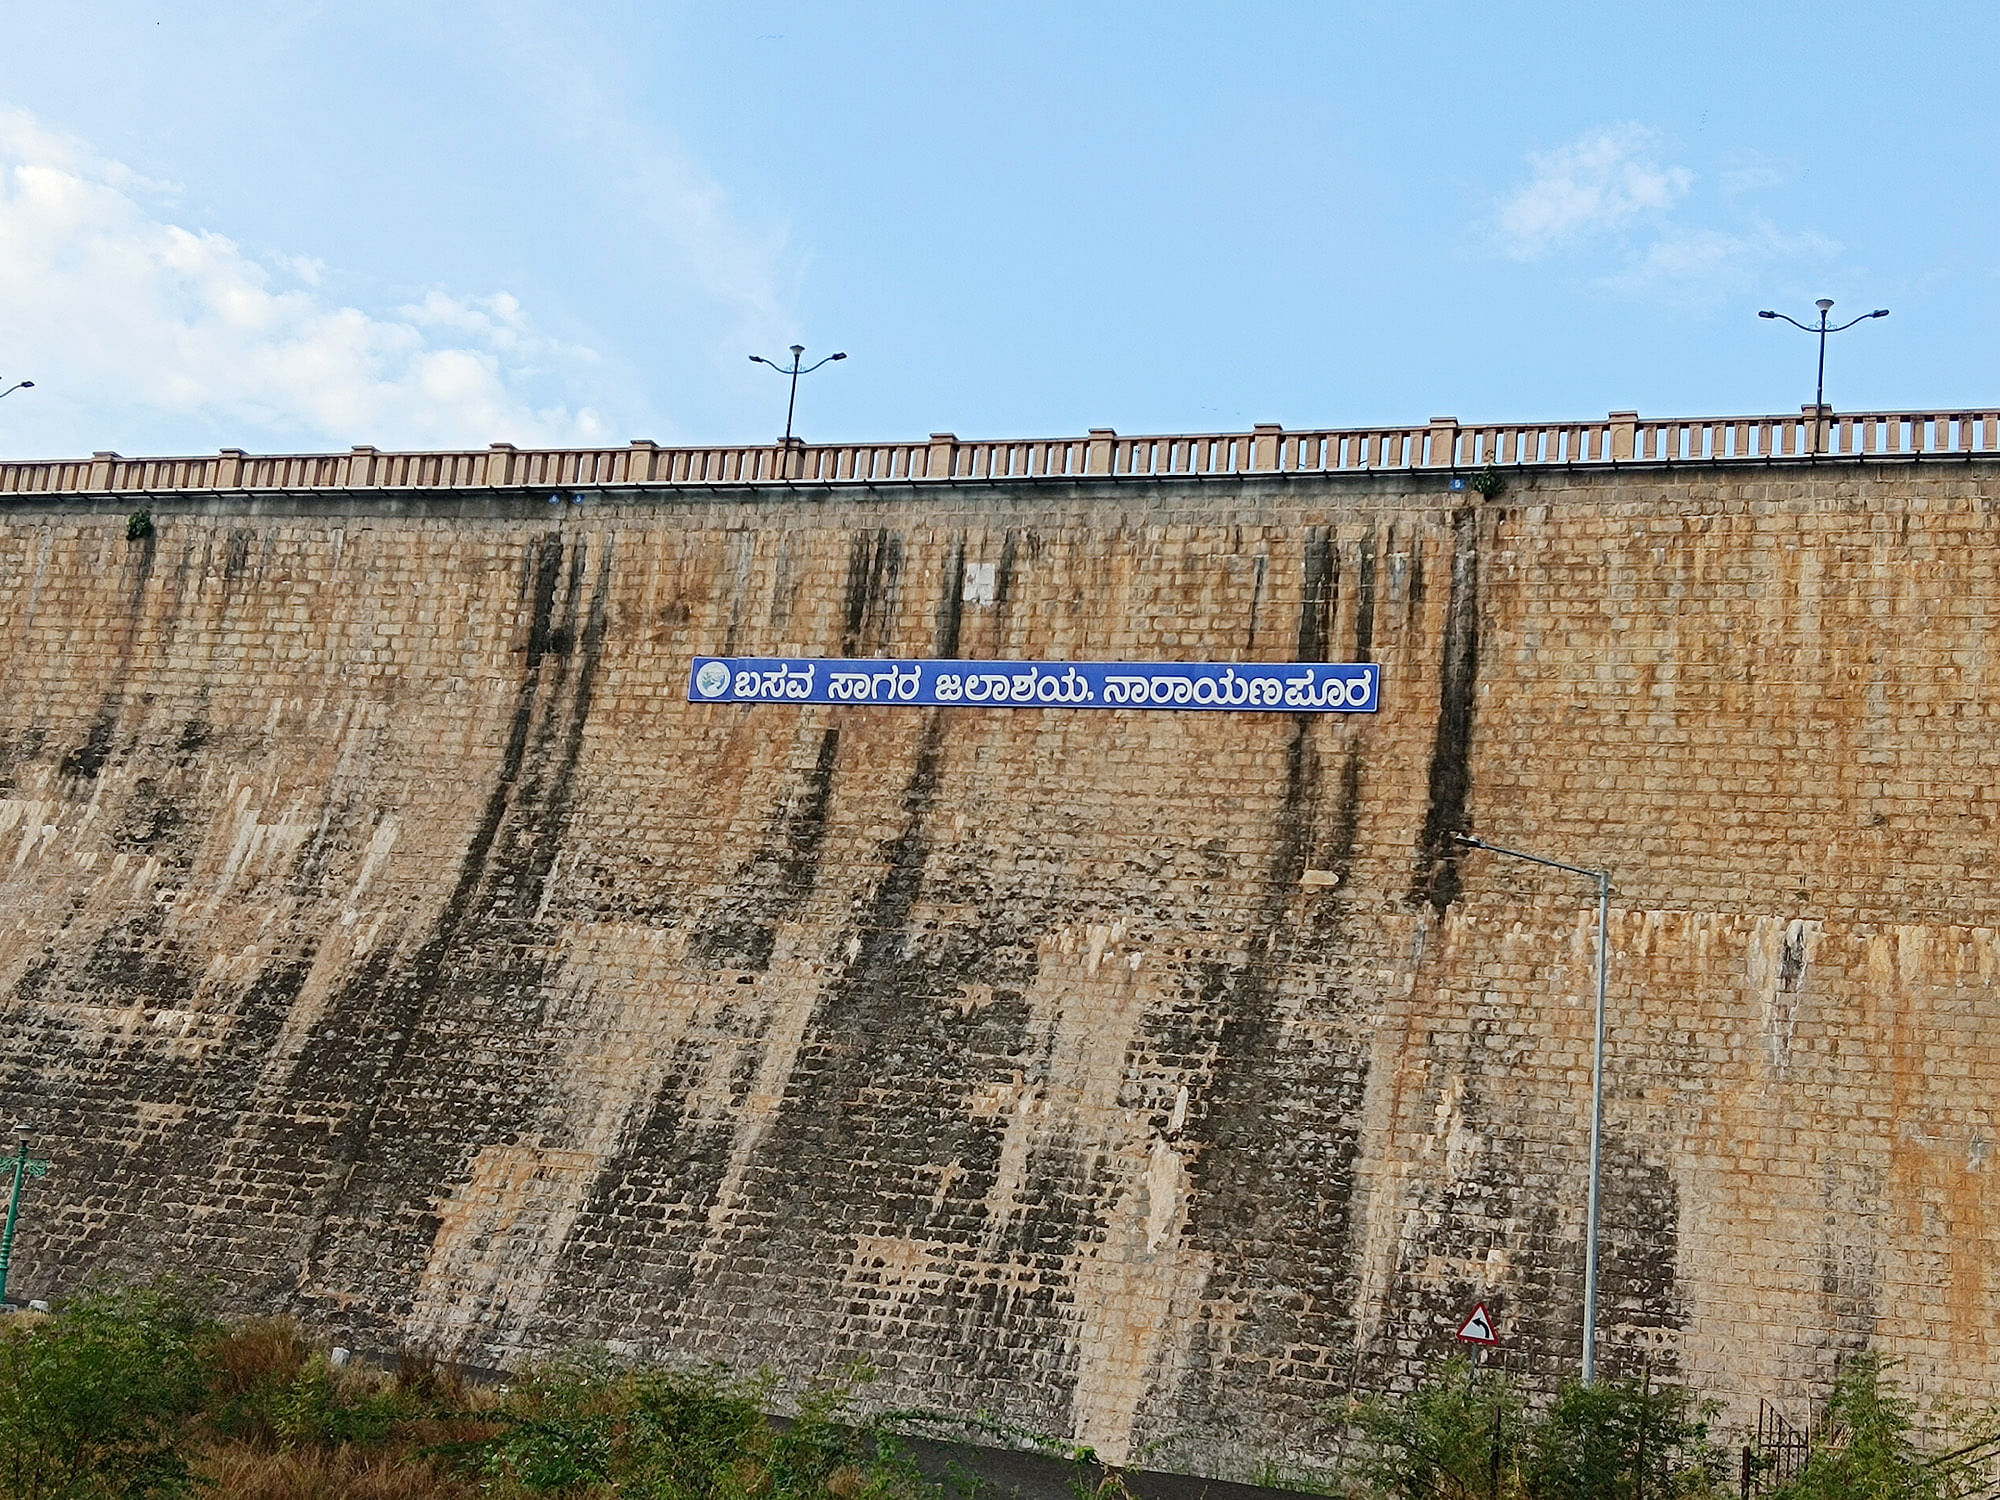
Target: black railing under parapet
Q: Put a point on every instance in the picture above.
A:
(1778, 1453)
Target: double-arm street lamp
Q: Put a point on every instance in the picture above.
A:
(25, 1166)
(798, 353)
(1603, 879)
(1825, 306)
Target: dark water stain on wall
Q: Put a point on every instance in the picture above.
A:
(151, 817)
(142, 1125)
(874, 576)
(1257, 598)
(739, 931)
(1527, 1205)
(1275, 1131)
(742, 553)
(427, 1060)
(951, 603)
(1437, 877)
(1638, 1291)
(875, 1140)
(1004, 580)
(1364, 600)
(1850, 1275)
(1319, 594)
(86, 762)
(152, 1179)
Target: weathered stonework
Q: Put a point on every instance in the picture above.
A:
(386, 938)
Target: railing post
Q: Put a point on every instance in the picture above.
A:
(1624, 435)
(500, 464)
(1815, 417)
(1444, 443)
(1097, 452)
(229, 468)
(361, 464)
(644, 462)
(100, 468)
(943, 453)
(1264, 440)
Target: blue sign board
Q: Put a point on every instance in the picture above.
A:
(1255, 687)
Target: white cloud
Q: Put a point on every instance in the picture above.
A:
(1611, 192)
(1750, 179)
(1602, 181)
(1701, 264)
(101, 294)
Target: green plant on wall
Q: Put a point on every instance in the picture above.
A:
(139, 526)
(1489, 481)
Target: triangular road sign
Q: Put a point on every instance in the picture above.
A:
(1478, 1328)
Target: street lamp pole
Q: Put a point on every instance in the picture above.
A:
(1825, 306)
(798, 353)
(25, 1166)
(1603, 879)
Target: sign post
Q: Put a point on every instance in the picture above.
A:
(1477, 1330)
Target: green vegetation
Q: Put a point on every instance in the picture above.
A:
(1461, 1438)
(132, 1393)
(583, 1426)
(1458, 1437)
(1870, 1450)
(94, 1402)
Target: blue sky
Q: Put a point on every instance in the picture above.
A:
(298, 226)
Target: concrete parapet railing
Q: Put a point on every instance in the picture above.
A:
(1443, 443)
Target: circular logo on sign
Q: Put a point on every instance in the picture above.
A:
(712, 680)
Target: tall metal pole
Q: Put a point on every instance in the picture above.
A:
(25, 1166)
(798, 367)
(1819, 386)
(1822, 328)
(799, 353)
(1603, 879)
(13, 1211)
(1596, 1130)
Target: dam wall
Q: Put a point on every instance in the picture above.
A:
(385, 938)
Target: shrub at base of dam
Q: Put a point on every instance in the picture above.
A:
(133, 1393)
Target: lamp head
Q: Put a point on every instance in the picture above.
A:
(1880, 312)
(798, 348)
(1761, 315)
(1467, 841)
(29, 385)
(843, 356)
(1825, 304)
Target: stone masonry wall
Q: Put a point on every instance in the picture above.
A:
(384, 936)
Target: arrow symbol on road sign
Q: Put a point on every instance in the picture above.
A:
(1478, 1328)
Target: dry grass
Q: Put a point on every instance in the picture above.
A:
(346, 1473)
(258, 1410)
(256, 1457)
